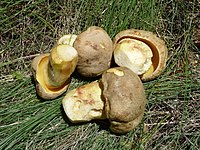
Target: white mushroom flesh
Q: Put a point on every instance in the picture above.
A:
(133, 54)
(64, 53)
(84, 103)
(67, 39)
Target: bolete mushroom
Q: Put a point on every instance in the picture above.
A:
(67, 39)
(118, 96)
(52, 71)
(95, 50)
(141, 51)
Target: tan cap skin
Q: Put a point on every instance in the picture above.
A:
(52, 71)
(119, 96)
(95, 50)
(141, 51)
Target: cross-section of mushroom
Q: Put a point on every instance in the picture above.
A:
(52, 71)
(141, 51)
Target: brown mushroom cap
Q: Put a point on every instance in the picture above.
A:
(156, 44)
(95, 50)
(124, 97)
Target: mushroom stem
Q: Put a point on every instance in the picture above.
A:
(62, 62)
(84, 103)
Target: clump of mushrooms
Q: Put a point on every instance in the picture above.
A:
(141, 51)
(118, 96)
(95, 49)
(52, 71)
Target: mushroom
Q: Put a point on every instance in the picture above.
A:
(95, 50)
(141, 51)
(118, 96)
(67, 39)
(52, 71)
(84, 103)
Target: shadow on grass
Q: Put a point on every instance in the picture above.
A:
(103, 124)
(79, 77)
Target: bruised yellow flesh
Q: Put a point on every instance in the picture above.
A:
(116, 72)
(84, 103)
(133, 54)
(148, 72)
(42, 74)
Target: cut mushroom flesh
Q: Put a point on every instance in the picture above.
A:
(134, 54)
(84, 103)
(157, 57)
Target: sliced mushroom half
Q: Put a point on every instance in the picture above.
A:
(141, 51)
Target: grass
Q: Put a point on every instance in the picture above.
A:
(29, 28)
